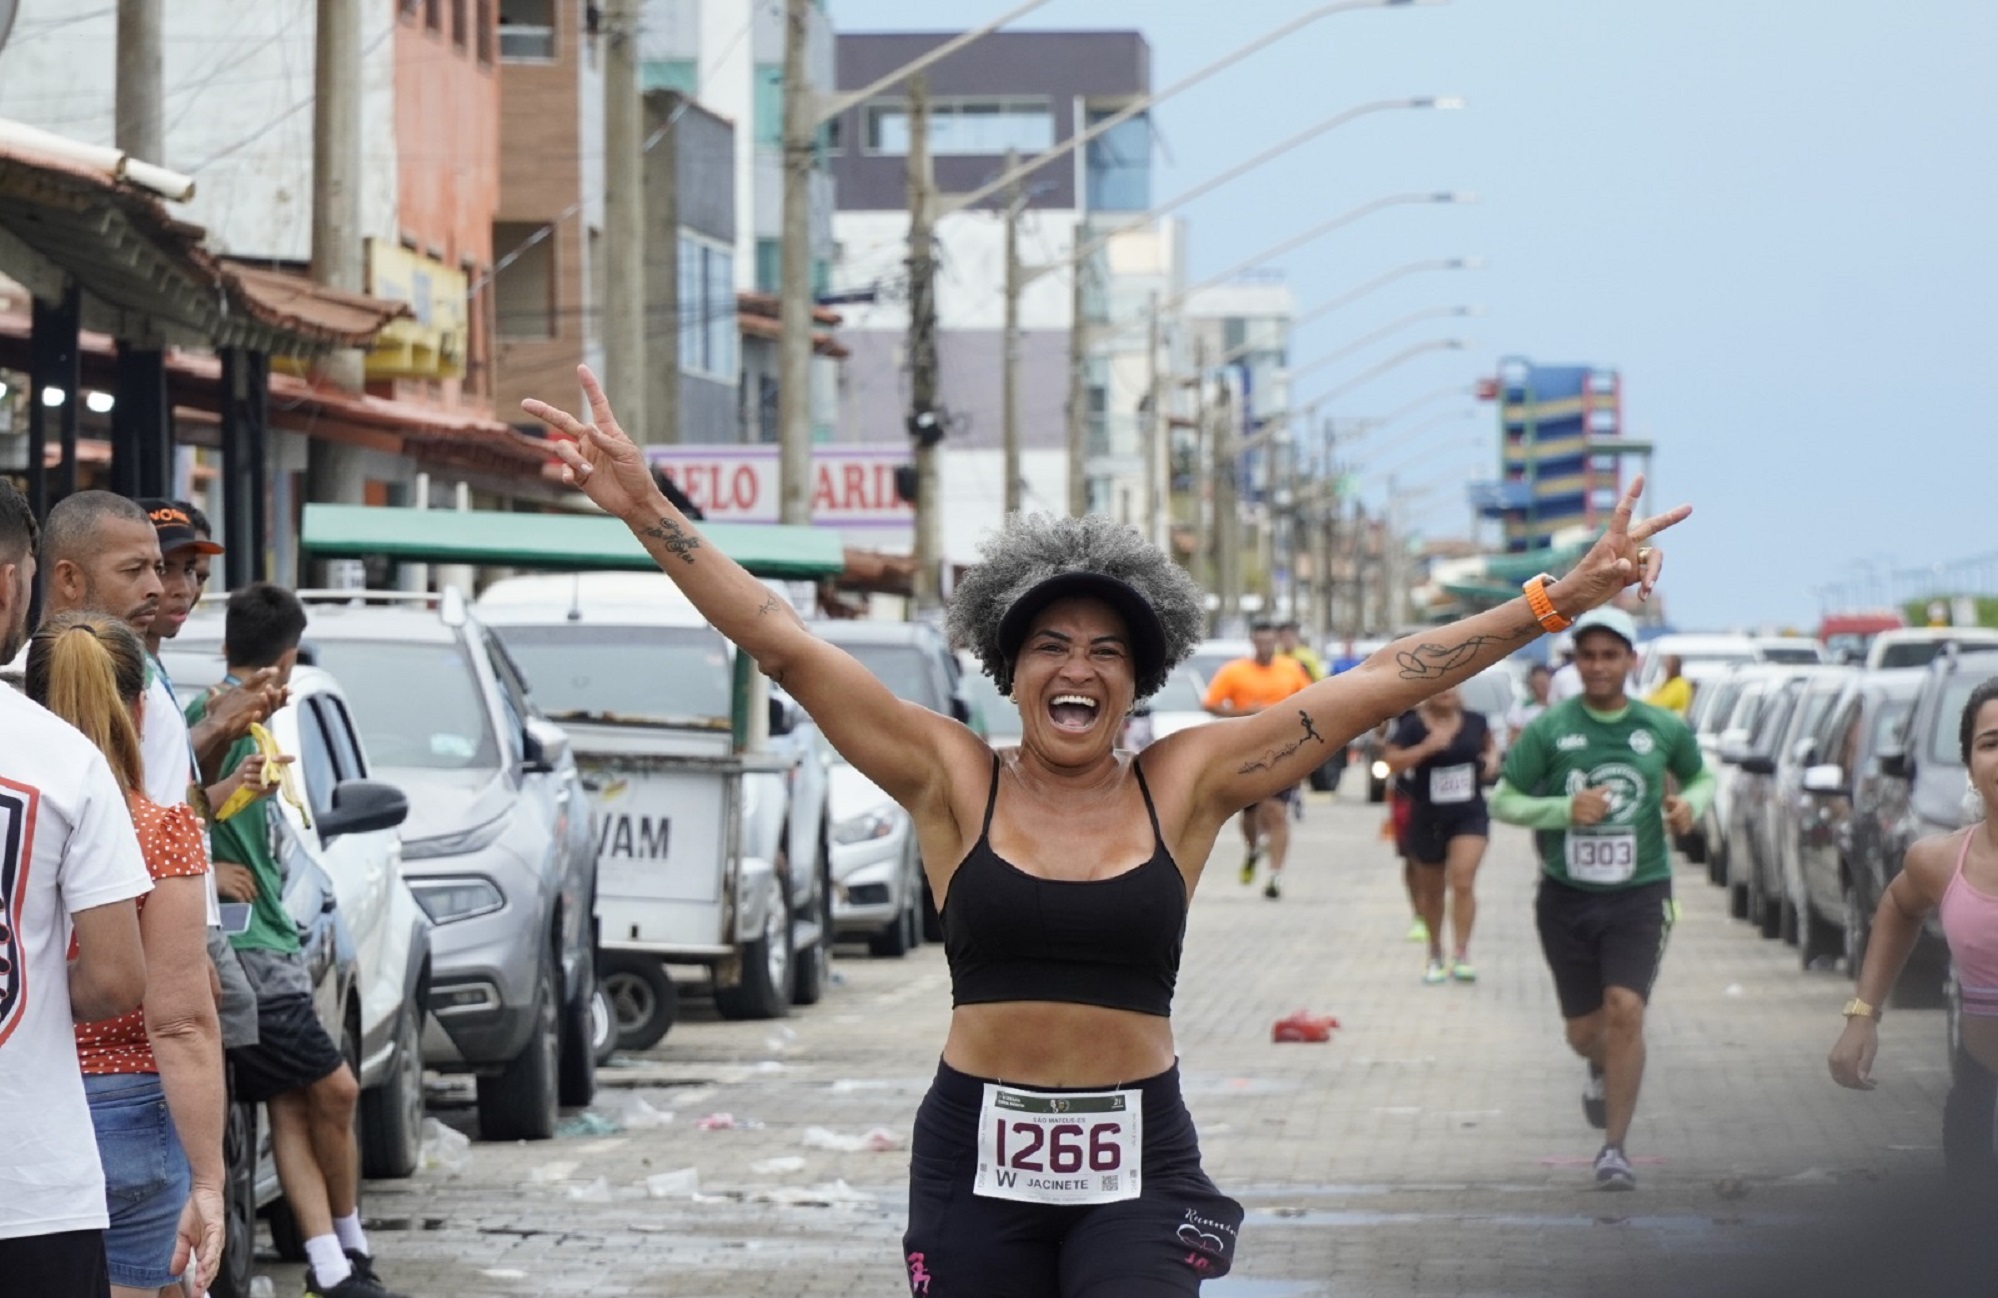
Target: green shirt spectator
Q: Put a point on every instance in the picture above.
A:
(245, 839)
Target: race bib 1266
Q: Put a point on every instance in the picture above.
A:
(1068, 1147)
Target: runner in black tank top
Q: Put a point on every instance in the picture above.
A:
(1053, 1156)
(1444, 756)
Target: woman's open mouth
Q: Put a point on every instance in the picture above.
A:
(1073, 712)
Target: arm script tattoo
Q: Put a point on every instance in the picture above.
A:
(1427, 662)
(1269, 760)
(674, 537)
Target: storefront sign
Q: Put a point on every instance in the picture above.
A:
(852, 486)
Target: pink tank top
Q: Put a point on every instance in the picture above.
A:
(1970, 924)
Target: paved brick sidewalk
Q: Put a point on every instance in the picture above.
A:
(1435, 1147)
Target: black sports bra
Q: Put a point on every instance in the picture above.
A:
(1014, 936)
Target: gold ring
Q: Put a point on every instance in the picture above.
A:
(1644, 553)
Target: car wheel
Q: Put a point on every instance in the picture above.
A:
(765, 989)
(815, 962)
(239, 1198)
(392, 1113)
(1768, 915)
(1858, 928)
(1717, 864)
(1789, 921)
(643, 1001)
(1816, 939)
(1692, 847)
(603, 1024)
(576, 1084)
(519, 1102)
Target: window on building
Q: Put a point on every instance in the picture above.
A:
(964, 127)
(526, 30)
(767, 113)
(707, 308)
(669, 74)
(433, 15)
(482, 32)
(769, 265)
(1118, 165)
(524, 286)
(461, 24)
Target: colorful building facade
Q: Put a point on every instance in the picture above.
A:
(1561, 450)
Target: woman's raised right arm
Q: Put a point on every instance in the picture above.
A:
(900, 746)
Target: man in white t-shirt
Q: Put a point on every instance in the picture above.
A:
(69, 863)
(170, 754)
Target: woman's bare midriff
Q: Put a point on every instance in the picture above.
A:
(1054, 1044)
(1980, 1039)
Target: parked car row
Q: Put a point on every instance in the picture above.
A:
(1827, 774)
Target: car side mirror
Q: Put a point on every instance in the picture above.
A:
(1894, 764)
(1757, 764)
(543, 746)
(783, 717)
(1804, 752)
(1733, 748)
(362, 807)
(1827, 779)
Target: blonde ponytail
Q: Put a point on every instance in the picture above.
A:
(90, 670)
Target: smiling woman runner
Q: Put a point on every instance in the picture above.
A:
(1053, 1155)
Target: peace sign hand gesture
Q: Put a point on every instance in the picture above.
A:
(1619, 557)
(599, 459)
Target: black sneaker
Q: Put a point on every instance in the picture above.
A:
(363, 1283)
(1595, 1099)
(1271, 889)
(364, 1267)
(1613, 1170)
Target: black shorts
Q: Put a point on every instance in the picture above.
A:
(1970, 1131)
(1430, 830)
(1178, 1232)
(1594, 940)
(68, 1264)
(293, 1050)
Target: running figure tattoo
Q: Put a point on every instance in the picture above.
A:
(1275, 755)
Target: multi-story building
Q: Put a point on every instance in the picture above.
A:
(238, 94)
(1027, 92)
(1561, 449)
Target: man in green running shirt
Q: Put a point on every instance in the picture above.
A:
(1589, 774)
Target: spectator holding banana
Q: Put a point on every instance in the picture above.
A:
(295, 1069)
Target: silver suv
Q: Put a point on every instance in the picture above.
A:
(497, 848)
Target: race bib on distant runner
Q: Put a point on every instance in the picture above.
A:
(1602, 857)
(1449, 784)
(1064, 1148)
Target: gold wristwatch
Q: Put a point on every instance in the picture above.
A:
(1857, 1008)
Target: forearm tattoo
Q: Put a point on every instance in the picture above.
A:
(769, 606)
(677, 539)
(1429, 661)
(1269, 760)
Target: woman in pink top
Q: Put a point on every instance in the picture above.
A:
(1956, 873)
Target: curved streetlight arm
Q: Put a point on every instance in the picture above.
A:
(1085, 251)
(958, 202)
(1400, 358)
(1366, 340)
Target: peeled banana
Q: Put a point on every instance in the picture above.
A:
(275, 771)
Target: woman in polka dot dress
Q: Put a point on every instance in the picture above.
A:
(154, 1075)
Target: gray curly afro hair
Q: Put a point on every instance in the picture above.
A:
(1031, 548)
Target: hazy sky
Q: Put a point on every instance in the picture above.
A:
(1777, 218)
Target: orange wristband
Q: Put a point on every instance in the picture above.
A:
(1543, 608)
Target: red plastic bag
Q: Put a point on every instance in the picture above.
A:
(1304, 1026)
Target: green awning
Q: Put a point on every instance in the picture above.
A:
(1513, 569)
(562, 542)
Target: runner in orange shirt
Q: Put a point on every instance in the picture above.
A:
(1241, 688)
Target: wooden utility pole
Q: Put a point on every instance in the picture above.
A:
(1009, 390)
(624, 222)
(1227, 523)
(923, 414)
(794, 369)
(661, 257)
(333, 471)
(1203, 478)
(1078, 415)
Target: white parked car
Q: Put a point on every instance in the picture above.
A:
(1701, 658)
(1916, 646)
